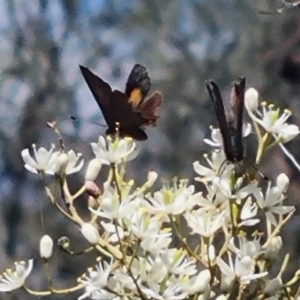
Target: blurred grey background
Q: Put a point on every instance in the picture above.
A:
(182, 44)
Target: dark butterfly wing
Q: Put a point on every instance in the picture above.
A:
(238, 96)
(130, 120)
(217, 101)
(138, 85)
(137, 134)
(149, 106)
(101, 92)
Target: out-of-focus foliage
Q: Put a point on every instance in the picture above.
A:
(182, 43)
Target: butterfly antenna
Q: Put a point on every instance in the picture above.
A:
(290, 156)
(262, 175)
(75, 119)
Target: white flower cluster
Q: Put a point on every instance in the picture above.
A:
(175, 243)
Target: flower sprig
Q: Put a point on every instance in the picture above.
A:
(174, 242)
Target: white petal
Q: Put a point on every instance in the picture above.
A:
(28, 159)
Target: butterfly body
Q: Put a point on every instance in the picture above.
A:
(127, 113)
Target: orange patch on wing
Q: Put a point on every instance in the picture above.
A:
(136, 96)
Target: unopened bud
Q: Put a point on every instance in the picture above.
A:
(90, 232)
(61, 164)
(211, 254)
(293, 132)
(282, 182)
(152, 176)
(203, 279)
(93, 170)
(273, 286)
(92, 189)
(251, 99)
(273, 247)
(46, 247)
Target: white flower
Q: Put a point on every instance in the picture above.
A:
(205, 222)
(43, 161)
(213, 169)
(150, 269)
(243, 270)
(96, 280)
(46, 246)
(274, 123)
(73, 166)
(216, 136)
(224, 185)
(198, 283)
(172, 292)
(249, 211)
(110, 151)
(90, 232)
(116, 231)
(245, 248)
(177, 262)
(270, 203)
(143, 225)
(114, 209)
(156, 243)
(148, 272)
(12, 280)
(173, 200)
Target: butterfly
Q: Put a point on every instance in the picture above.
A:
(130, 112)
(231, 121)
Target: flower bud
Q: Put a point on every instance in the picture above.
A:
(251, 99)
(92, 189)
(211, 254)
(282, 182)
(93, 170)
(203, 279)
(61, 164)
(273, 286)
(293, 131)
(90, 232)
(221, 297)
(273, 247)
(46, 247)
(152, 176)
